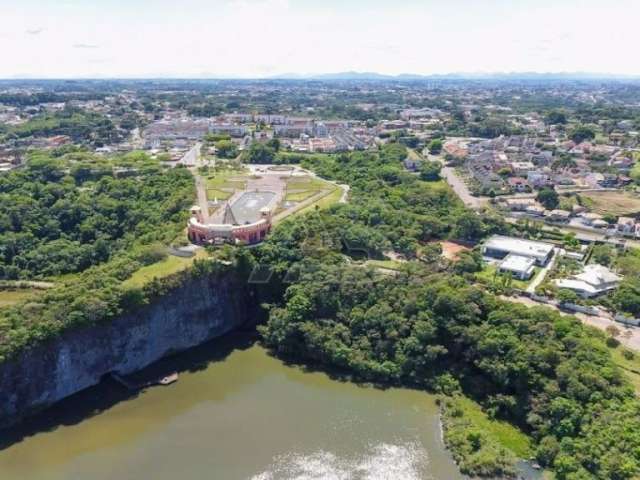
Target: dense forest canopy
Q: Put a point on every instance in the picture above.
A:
(62, 215)
(79, 125)
(430, 326)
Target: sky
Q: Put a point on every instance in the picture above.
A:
(263, 38)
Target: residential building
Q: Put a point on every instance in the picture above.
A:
(626, 225)
(518, 184)
(593, 281)
(522, 168)
(499, 246)
(538, 178)
(559, 215)
(519, 266)
(519, 204)
(229, 129)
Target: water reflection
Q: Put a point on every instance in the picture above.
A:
(235, 413)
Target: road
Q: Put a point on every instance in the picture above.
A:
(585, 233)
(560, 191)
(460, 188)
(630, 336)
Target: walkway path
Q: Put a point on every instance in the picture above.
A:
(345, 192)
(557, 252)
(309, 201)
(192, 157)
(201, 187)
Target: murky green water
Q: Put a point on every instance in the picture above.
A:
(241, 415)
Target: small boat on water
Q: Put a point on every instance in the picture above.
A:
(169, 379)
(131, 385)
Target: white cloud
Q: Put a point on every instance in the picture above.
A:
(265, 37)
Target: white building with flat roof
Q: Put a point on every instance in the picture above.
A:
(520, 267)
(499, 246)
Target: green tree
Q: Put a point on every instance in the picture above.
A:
(549, 198)
(435, 146)
(259, 153)
(226, 149)
(567, 296)
(430, 171)
(555, 117)
(274, 143)
(582, 133)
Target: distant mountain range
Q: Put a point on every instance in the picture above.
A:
(456, 76)
(360, 76)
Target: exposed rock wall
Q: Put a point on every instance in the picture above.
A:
(200, 310)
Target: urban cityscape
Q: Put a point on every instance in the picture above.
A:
(369, 268)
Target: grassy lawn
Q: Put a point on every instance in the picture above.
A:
(231, 179)
(163, 268)
(213, 193)
(302, 188)
(300, 196)
(11, 297)
(388, 264)
(332, 197)
(413, 155)
(503, 432)
(488, 275)
(631, 367)
(612, 203)
(306, 183)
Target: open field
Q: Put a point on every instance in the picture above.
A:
(13, 296)
(214, 193)
(297, 186)
(302, 188)
(332, 197)
(299, 196)
(503, 432)
(386, 264)
(413, 155)
(163, 268)
(222, 185)
(306, 182)
(612, 203)
(630, 367)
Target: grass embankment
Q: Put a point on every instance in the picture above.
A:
(413, 155)
(616, 203)
(304, 188)
(301, 188)
(481, 446)
(490, 275)
(386, 264)
(10, 297)
(629, 362)
(163, 268)
(221, 185)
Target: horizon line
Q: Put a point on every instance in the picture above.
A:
(345, 75)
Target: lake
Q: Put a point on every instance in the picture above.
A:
(235, 413)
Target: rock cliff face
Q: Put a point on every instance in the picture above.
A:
(200, 310)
